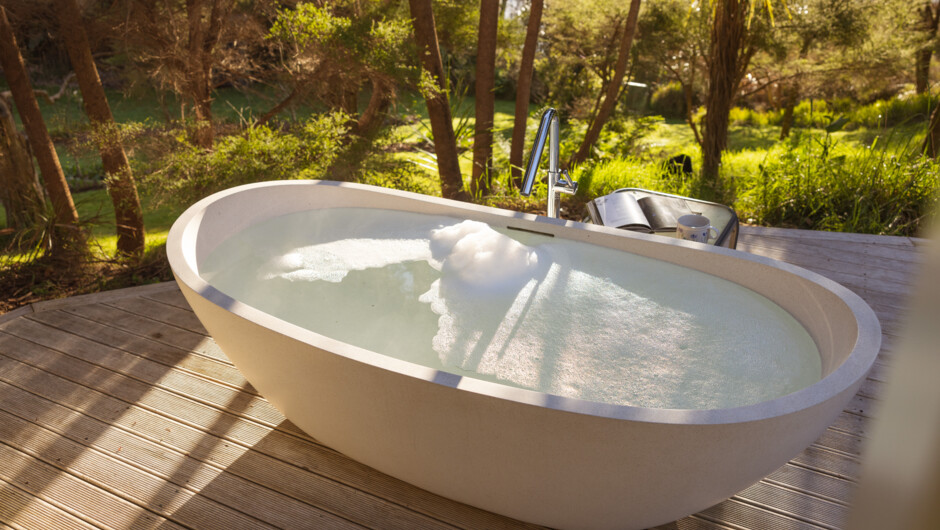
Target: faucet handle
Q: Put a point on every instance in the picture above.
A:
(564, 184)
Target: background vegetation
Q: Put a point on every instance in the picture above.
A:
(829, 124)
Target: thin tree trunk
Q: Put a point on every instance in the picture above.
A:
(922, 70)
(613, 88)
(442, 126)
(789, 104)
(202, 40)
(727, 38)
(20, 193)
(128, 217)
(523, 89)
(67, 237)
(294, 94)
(689, 115)
(350, 98)
(482, 177)
(371, 119)
(928, 23)
(931, 146)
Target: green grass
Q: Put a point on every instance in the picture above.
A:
(96, 214)
(96, 211)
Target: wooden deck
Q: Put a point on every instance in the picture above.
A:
(118, 411)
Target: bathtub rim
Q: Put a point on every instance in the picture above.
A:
(850, 372)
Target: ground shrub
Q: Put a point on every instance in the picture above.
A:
(632, 172)
(668, 101)
(895, 111)
(620, 137)
(811, 113)
(818, 184)
(743, 116)
(257, 153)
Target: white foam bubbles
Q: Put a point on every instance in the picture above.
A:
(332, 261)
(482, 258)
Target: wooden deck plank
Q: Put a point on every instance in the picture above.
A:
(845, 240)
(134, 369)
(170, 297)
(851, 424)
(189, 340)
(821, 460)
(893, 263)
(694, 523)
(73, 495)
(279, 495)
(813, 484)
(166, 313)
(80, 390)
(886, 269)
(213, 369)
(739, 514)
(144, 370)
(794, 504)
(24, 511)
(99, 469)
(173, 404)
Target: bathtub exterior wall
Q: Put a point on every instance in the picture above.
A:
(535, 457)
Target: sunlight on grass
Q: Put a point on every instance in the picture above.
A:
(105, 247)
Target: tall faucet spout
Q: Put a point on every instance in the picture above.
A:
(558, 180)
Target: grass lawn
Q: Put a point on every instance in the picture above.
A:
(94, 207)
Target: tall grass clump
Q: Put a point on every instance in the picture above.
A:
(750, 117)
(817, 184)
(632, 172)
(894, 111)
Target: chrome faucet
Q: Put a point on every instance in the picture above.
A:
(558, 180)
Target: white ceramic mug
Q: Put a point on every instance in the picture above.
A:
(694, 227)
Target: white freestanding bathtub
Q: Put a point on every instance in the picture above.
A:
(534, 456)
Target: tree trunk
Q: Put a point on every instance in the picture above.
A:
(922, 70)
(932, 141)
(928, 23)
(20, 192)
(689, 114)
(202, 40)
(128, 217)
(724, 70)
(370, 121)
(350, 98)
(67, 237)
(442, 126)
(298, 90)
(482, 177)
(613, 88)
(523, 89)
(792, 97)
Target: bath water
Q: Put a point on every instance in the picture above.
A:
(517, 308)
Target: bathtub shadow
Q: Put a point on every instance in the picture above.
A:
(289, 480)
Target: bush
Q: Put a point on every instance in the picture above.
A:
(256, 154)
(751, 117)
(631, 172)
(619, 138)
(818, 184)
(894, 111)
(668, 101)
(811, 113)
